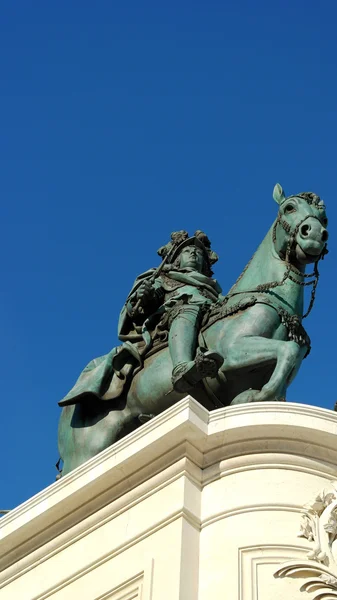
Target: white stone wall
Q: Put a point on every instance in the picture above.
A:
(192, 506)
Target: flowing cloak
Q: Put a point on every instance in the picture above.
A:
(96, 378)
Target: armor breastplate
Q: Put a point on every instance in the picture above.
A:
(169, 285)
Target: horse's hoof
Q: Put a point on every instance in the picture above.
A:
(145, 418)
(245, 397)
(270, 395)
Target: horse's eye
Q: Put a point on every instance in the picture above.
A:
(325, 221)
(290, 208)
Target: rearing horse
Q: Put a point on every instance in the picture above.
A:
(256, 328)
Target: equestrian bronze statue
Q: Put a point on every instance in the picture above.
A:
(179, 334)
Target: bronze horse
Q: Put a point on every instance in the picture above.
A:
(256, 328)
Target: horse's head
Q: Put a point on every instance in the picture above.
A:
(300, 231)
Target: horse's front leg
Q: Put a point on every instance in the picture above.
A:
(250, 344)
(253, 352)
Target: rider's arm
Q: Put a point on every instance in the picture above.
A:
(146, 299)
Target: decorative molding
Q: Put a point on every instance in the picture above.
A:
(186, 441)
(319, 527)
(107, 510)
(206, 422)
(87, 468)
(127, 591)
(14, 573)
(183, 468)
(249, 508)
(252, 559)
(267, 460)
(323, 583)
(274, 407)
(137, 587)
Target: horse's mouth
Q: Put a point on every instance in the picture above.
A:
(305, 257)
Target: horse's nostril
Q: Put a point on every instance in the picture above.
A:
(325, 236)
(305, 230)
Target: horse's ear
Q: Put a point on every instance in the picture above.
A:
(278, 193)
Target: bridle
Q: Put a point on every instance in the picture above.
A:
(291, 270)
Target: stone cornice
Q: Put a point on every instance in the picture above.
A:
(186, 440)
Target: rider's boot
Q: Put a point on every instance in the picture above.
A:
(190, 367)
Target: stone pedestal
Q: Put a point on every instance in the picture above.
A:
(191, 506)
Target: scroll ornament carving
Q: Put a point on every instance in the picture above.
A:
(319, 527)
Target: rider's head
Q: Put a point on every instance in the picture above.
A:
(184, 252)
(192, 257)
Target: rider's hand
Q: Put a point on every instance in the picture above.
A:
(145, 293)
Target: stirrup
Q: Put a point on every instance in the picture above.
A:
(186, 375)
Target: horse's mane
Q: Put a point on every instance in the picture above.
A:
(309, 197)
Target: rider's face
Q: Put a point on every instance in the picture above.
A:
(192, 257)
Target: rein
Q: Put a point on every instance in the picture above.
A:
(265, 287)
(290, 267)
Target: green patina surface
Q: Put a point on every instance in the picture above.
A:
(179, 334)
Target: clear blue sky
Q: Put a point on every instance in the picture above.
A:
(123, 121)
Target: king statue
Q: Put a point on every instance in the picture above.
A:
(170, 302)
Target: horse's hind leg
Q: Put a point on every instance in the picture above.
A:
(86, 430)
